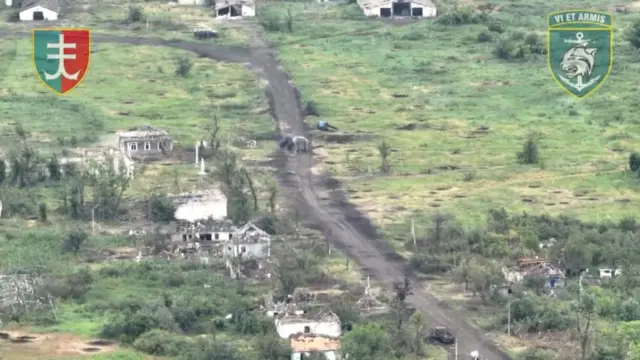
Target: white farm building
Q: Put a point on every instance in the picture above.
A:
(398, 8)
(39, 10)
(235, 9)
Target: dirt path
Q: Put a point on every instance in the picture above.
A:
(327, 211)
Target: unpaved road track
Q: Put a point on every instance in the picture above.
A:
(326, 209)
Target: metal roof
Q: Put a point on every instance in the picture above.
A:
(227, 3)
(372, 4)
(52, 5)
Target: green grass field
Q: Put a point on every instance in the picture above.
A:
(121, 91)
(445, 84)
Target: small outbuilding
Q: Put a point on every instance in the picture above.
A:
(235, 9)
(39, 10)
(398, 8)
(144, 143)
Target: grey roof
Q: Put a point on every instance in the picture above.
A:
(371, 4)
(226, 3)
(52, 5)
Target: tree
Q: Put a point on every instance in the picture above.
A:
(160, 208)
(417, 326)
(108, 185)
(235, 182)
(271, 347)
(273, 195)
(384, 150)
(585, 308)
(53, 166)
(367, 342)
(402, 290)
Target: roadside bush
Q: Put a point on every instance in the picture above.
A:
(634, 162)
(311, 108)
(183, 66)
(161, 343)
(3, 170)
(537, 354)
(429, 264)
(135, 14)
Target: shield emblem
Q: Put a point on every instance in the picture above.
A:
(580, 49)
(61, 57)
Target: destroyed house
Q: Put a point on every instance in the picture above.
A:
(249, 242)
(534, 268)
(144, 143)
(303, 345)
(398, 8)
(208, 231)
(322, 324)
(235, 9)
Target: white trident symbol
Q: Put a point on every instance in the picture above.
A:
(61, 46)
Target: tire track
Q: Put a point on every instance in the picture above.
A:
(341, 223)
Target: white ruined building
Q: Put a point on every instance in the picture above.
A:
(324, 325)
(398, 8)
(303, 345)
(202, 205)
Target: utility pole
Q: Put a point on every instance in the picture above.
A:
(456, 358)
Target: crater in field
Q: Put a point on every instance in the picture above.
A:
(459, 196)
(528, 200)
(23, 339)
(550, 204)
(624, 200)
(434, 205)
(564, 202)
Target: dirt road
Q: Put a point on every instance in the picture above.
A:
(325, 209)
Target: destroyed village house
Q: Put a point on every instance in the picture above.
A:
(235, 9)
(202, 232)
(398, 8)
(327, 325)
(144, 143)
(303, 345)
(249, 242)
(534, 268)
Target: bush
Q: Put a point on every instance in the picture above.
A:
(74, 286)
(74, 240)
(634, 162)
(135, 15)
(496, 27)
(311, 108)
(183, 66)
(462, 16)
(429, 264)
(161, 343)
(128, 325)
(485, 36)
(633, 34)
(529, 153)
(161, 208)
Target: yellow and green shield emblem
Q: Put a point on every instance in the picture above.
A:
(580, 49)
